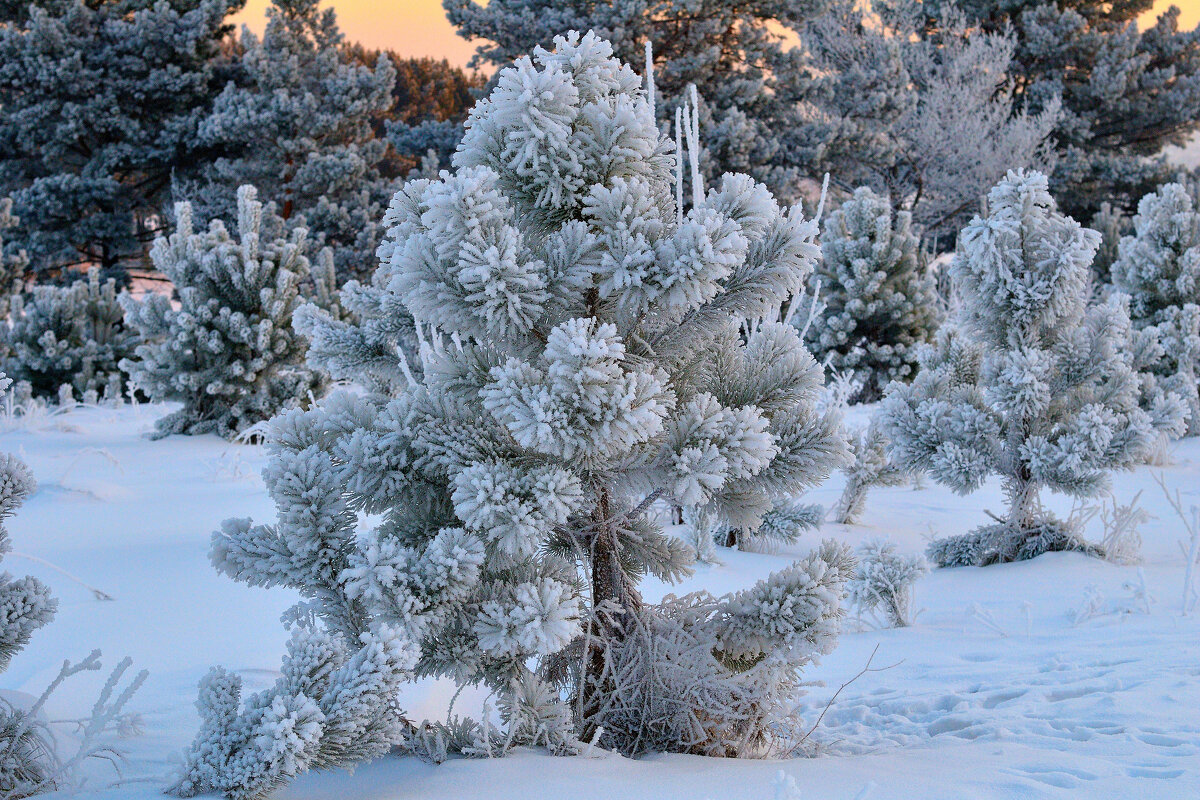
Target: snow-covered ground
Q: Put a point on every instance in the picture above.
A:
(996, 692)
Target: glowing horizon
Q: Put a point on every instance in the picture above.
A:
(420, 28)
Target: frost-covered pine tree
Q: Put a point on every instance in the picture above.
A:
(880, 302)
(1035, 383)
(228, 353)
(71, 336)
(871, 467)
(586, 347)
(1159, 268)
(1127, 81)
(883, 583)
(299, 126)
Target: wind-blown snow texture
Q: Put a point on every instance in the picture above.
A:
(1041, 708)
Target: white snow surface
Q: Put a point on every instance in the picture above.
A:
(995, 692)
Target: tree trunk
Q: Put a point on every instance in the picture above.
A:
(1022, 501)
(609, 587)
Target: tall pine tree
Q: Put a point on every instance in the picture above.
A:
(102, 107)
(930, 123)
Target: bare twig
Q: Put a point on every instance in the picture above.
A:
(866, 668)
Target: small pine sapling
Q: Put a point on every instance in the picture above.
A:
(579, 356)
(228, 353)
(1159, 268)
(882, 586)
(1034, 383)
(879, 298)
(871, 467)
(704, 531)
(68, 341)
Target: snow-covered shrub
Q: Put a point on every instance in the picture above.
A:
(704, 530)
(26, 749)
(333, 705)
(883, 582)
(73, 336)
(1035, 383)
(228, 353)
(580, 358)
(1159, 268)
(31, 762)
(879, 298)
(871, 467)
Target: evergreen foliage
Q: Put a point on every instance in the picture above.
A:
(1159, 268)
(228, 353)
(1035, 383)
(880, 301)
(1112, 225)
(102, 102)
(298, 127)
(25, 606)
(324, 711)
(71, 336)
(433, 99)
(25, 603)
(585, 348)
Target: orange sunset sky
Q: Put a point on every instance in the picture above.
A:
(419, 27)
